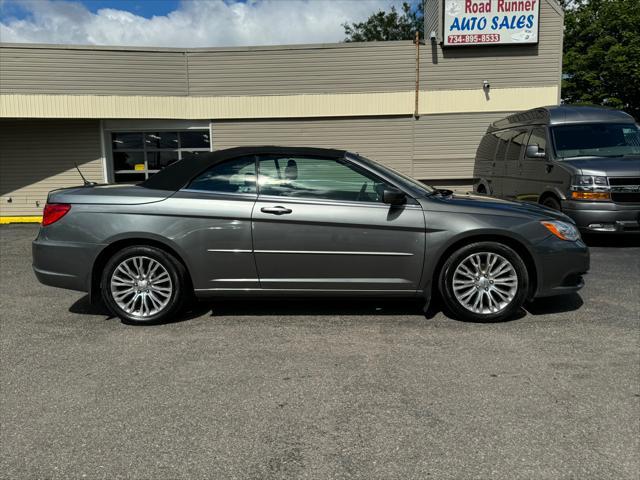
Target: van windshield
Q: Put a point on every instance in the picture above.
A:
(596, 140)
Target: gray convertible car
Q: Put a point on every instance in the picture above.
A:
(301, 222)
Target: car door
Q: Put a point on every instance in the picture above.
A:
(320, 225)
(211, 221)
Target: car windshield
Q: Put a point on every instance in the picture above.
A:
(418, 188)
(596, 140)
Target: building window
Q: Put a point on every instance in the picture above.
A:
(138, 155)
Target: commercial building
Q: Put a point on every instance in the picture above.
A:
(123, 113)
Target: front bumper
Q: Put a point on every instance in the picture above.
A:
(560, 265)
(63, 265)
(604, 216)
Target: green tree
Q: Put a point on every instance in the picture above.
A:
(391, 25)
(601, 63)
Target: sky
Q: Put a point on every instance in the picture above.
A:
(181, 23)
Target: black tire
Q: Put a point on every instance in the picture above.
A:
(552, 202)
(454, 305)
(180, 290)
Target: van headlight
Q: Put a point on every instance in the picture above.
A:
(588, 187)
(589, 181)
(562, 230)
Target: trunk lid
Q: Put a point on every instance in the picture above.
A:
(108, 195)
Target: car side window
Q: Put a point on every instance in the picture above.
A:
(232, 176)
(538, 137)
(322, 178)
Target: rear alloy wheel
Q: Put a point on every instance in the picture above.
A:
(484, 281)
(143, 285)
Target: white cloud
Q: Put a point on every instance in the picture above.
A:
(196, 23)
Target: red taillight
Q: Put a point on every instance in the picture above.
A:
(54, 212)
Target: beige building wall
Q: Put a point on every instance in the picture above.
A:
(387, 139)
(37, 156)
(66, 70)
(306, 69)
(445, 145)
(241, 71)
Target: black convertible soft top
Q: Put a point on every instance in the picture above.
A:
(179, 174)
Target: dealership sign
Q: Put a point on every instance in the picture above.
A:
(490, 22)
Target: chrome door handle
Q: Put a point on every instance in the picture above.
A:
(276, 210)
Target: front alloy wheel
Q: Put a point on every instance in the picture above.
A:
(485, 281)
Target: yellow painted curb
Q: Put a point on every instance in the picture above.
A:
(6, 220)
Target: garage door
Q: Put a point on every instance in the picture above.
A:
(388, 140)
(37, 156)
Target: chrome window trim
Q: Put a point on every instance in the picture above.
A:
(411, 291)
(335, 252)
(297, 200)
(350, 280)
(245, 280)
(311, 252)
(229, 250)
(252, 196)
(343, 203)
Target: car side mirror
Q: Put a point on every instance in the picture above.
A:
(393, 196)
(534, 151)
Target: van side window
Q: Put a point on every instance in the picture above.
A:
(487, 147)
(484, 155)
(503, 141)
(538, 137)
(514, 150)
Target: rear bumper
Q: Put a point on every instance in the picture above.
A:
(64, 265)
(604, 216)
(560, 265)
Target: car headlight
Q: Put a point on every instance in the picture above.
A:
(562, 230)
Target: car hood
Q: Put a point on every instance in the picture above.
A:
(108, 195)
(606, 167)
(483, 205)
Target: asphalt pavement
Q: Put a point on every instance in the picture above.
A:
(365, 389)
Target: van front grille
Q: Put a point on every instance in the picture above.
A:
(630, 197)
(624, 180)
(625, 189)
